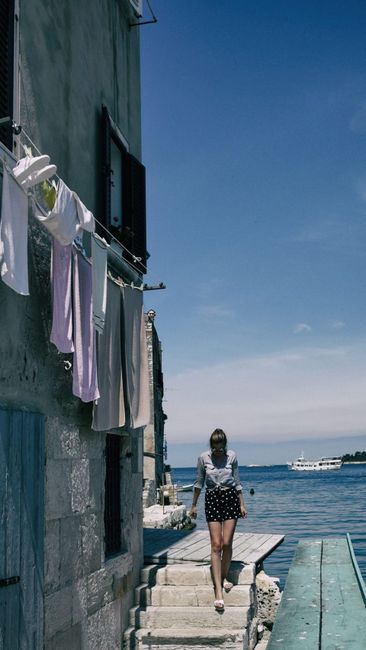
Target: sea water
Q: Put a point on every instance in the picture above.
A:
(298, 505)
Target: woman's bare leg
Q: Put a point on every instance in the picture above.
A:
(227, 546)
(216, 548)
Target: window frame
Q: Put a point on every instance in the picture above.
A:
(132, 231)
(7, 71)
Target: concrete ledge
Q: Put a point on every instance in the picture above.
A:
(199, 596)
(186, 617)
(224, 638)
(200, 574)
(164, 516)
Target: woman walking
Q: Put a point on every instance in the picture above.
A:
(224, 504)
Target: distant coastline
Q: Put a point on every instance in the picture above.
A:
(358, 457)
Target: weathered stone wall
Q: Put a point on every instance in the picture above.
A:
(75, 56)
(154, 431)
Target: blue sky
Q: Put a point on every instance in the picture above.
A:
(254, 139)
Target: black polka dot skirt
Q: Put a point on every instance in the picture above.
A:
(222, 504)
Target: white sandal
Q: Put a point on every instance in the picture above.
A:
(219, 605)
(227, 585)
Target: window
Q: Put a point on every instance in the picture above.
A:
(112, 508)
(6, 69)
(124, 200)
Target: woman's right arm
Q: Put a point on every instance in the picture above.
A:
(198, 484)
(193, 512)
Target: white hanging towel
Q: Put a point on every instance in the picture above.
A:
(14, 235)
(99, 249)
(137, 370)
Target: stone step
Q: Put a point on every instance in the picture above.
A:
(143, 595)
(148, 573)
(180, 639)
(199, 574)
(186, 617)
(199, 596)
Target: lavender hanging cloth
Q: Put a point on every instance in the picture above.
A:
(85, 382)
(136, 359)
(109, 410)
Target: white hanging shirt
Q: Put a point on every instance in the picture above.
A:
(14, 235)
(67, 218)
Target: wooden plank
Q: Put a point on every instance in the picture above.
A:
(160, 541)
(297, 623)
(158, 544)
(9, 530)
(252, 546)
(191, 548)
(265, 548)
(343, 607)
(242, 541)
(194, 546)
(244, 544)
(360, 580)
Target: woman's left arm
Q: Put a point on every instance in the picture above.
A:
(243, 509)
(239, 488)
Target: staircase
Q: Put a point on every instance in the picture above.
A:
(174, 610)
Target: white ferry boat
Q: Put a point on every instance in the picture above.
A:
(322, 464)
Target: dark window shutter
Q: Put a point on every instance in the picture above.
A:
(106, 171)
(132, 231)
(6, 69)
(136, 209)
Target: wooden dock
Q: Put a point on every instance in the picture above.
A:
(323, 604)
(167, 546)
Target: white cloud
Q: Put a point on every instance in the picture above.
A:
(338, 324)
(302, 327)
(300, 393)
(214, 311)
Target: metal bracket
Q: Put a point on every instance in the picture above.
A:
(5, 582)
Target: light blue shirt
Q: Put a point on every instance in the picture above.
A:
(217, 471)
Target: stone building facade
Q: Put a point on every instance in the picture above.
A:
(73, 84)
(154, 441)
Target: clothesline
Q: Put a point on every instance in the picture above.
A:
(119, 257)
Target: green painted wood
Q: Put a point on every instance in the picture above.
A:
(357, 569)
(21, 528)
(323, 603)
(343, 608)
(297, 623)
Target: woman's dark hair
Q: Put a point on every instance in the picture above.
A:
(218, 436)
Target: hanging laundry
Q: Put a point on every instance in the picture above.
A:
(99, 248)
(68, 217)
(85, 217)
(29, 165)
(61, 268)
(109, 410)
(136, 358)
(62, 221)
(85, 382)
(14, 235)
(30, 171)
